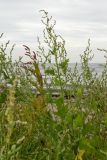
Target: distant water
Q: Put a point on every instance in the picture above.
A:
(99, 67)
(96, 67)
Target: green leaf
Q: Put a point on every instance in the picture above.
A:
(78, 121)
(64, 64)
(50, 71)
(106, 118)
(59, 101)
(79, 92)
(104, 152)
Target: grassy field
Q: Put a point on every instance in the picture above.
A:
(42, 127)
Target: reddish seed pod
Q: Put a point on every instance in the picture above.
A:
(34, 55)
(26, 47)
(26, 54)
(29, 62)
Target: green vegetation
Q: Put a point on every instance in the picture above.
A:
(72, 126)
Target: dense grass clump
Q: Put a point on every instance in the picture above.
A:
(35, 125)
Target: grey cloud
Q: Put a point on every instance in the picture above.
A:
(77, 20)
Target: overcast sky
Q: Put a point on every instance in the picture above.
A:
(77, 20)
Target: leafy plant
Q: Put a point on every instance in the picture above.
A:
(37, 125)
